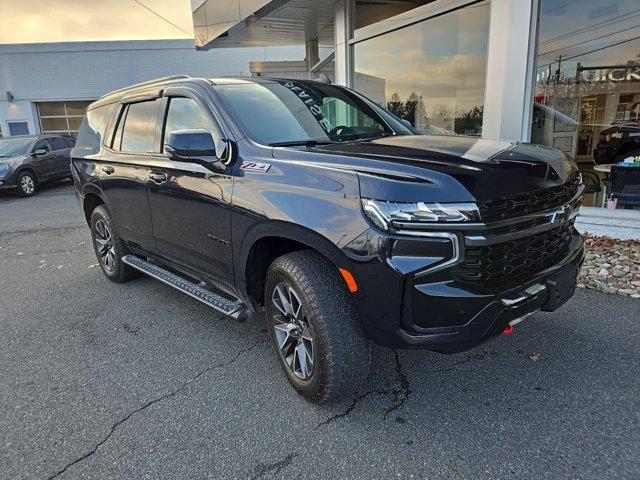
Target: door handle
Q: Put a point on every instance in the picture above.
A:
(108, 170)
(158, 177)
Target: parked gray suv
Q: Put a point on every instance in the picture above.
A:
(26, 162)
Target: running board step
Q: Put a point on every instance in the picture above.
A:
(217, 302)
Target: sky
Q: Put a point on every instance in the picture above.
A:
(32, 21)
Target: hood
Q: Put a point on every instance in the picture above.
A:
(12, 159)
(460, 168)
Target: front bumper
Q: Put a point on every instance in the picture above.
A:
(7, 182)
(401, 308)
(482, 316)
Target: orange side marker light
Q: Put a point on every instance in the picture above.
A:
(351, 283)
(507, 330)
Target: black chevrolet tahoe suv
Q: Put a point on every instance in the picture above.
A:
(314, 205)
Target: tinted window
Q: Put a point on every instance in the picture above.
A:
(42, 144)
(186, 114)
(70, 142)
(58, 143)
(94, 126)
(139, 127)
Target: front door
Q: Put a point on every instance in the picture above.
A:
(41, 162)
(124, 172)
(190, 202)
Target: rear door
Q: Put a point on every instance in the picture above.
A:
(60, 160)
(190, 201)
(124, 171)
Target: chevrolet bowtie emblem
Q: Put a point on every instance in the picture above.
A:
(560, 216)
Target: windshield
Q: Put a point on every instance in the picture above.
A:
(290, 112)
(10, 147)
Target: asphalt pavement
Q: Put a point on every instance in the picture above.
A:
(101, 380)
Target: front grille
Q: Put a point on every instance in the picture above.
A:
(530, 202)
(494, 264)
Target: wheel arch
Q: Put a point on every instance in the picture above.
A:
(264, 246)
(89, 203)
(31, 170)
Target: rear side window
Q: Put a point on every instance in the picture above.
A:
(58, 143)
(94, 127)
(138, 131)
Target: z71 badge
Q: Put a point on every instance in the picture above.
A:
(255, 166)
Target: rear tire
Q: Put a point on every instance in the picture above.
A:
(319, 342)
(27, 184)
(109, 248)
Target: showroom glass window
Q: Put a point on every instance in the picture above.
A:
(431, 73)
(588, 73)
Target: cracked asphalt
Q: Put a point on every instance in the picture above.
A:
(99, 380)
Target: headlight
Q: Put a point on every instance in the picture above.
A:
(4, 168)
(388, 215)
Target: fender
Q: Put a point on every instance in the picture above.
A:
(22, 168)
(288, 231)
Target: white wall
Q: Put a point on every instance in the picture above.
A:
(86, 70)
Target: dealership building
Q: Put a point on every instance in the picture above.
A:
(555, 72)
(46, 87)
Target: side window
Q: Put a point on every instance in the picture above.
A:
(70, 142)
(94, 126)
(58, 143)
(185, 114)
(139, 127)
(42, 143)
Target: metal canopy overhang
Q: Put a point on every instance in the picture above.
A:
(243, 23)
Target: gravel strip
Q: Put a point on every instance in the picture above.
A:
(611, 266)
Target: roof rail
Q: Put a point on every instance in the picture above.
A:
(148, 82)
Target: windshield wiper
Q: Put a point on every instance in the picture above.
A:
(308, 143)
(373, 137)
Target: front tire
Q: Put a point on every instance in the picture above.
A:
(109, 248)
(26, 184)
(319, 342)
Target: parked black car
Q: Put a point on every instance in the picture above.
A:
(617, 143)
(310, 202)
(29, 161)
